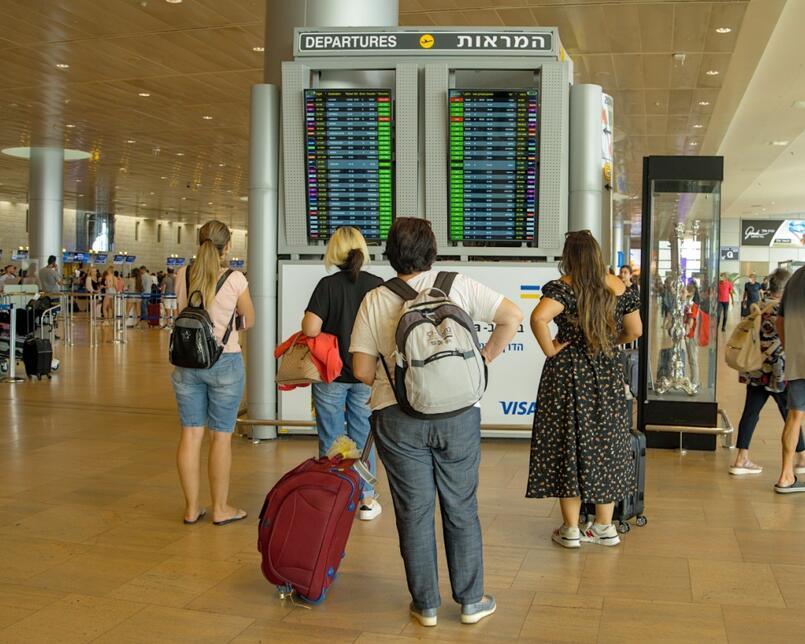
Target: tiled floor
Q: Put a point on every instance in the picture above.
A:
(92, 547)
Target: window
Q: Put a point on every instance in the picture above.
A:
(137, 231)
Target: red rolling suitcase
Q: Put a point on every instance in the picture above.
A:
(304, 526)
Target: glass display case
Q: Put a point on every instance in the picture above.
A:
(679, 294)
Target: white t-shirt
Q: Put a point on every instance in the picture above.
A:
(373, 332)
(222, 307)
(148, 281)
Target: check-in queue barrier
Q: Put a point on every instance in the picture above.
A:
(9, 358)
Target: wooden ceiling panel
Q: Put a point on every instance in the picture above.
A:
(680, 101)
(588, 23)
(691, 20)
(482, 18)
(622, 24)
(447, 18)
(686, 74)
(657, 101)
(729, 15)
(517, 17)
(628, 71)
(558, 17)
(656, 70)
(416, 20)
(656, 26)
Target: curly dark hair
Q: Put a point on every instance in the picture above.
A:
(411, 245)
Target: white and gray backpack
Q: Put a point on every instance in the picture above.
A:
(439, 371)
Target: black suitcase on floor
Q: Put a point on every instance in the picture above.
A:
(631, 507)
(37, 356)
(629, 362)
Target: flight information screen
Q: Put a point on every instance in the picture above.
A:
(493, 165)
(349, 162)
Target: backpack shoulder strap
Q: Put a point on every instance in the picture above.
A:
(401, 288)
(218, 286)
(222, 279)
(444, 281)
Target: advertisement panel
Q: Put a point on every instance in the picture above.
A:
(782, 233)
(513, 377)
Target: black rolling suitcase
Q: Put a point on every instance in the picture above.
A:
(632, 506)
(37, 356)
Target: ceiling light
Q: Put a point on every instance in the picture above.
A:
(130, 141)
(152, 193)
(144, 94)
(142, 203)
(698, 126)
(62, 65)
(163, 177)
(25, 153)
(704, 103)
(184, 198)
(694, 143)
(221, 165)
(800, 105)
(712, 72)
(780, 144)
(210, 203)
(258, 49)
(207, 117)
(81, 194)
(174, 1)
(723, 30)
(180, 154)
(70, 125)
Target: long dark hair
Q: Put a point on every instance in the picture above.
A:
(583, 262)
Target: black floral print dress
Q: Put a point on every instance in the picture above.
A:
(580, 441)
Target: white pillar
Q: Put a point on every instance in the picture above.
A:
(617, 239)
(586, 181)
(45, 205)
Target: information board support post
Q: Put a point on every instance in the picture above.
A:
(263, 218)
(584, 211)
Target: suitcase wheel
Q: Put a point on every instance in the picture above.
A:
(623, 527)
(641, 520)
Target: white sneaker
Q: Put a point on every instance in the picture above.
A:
(370, 509)
(602, 535)
(567, 537)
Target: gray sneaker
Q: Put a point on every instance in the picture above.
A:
(474, 613)
(425, 616)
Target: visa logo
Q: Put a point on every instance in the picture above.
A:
(518, 407)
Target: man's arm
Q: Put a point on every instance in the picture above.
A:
(364, 367)
(508, 318)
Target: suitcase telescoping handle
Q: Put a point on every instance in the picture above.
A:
(361, 466)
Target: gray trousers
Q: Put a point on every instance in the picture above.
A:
(423, 458)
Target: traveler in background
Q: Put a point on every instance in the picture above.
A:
(168, 289)
(49, 279)
(426, 457)
(580, 448)
(628, 279)
(726, 296)
(764, 285)
(791, 329)
(109, 290)
(147, 282)
(120, 285)
(769, 380)
(210, 398)
(9, 276)
(28, 279)
(134, 296)
(752, 294)
(691, 317)
(92, 285)
(332, 309)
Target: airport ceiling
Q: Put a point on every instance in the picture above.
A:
(158, 90)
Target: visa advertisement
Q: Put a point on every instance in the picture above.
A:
(513, 377)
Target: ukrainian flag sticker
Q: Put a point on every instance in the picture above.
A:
(530, 292)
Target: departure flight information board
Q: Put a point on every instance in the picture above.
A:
(349, 162)
(493, 165)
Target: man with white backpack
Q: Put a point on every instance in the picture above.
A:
(415, 343)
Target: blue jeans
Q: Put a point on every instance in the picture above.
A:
(343, 408)
(423, 458)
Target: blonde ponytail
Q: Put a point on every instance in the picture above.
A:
(214, 237)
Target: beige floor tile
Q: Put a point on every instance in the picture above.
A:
(505, 624)
(75, 618)
(76, 523)
(557, 569)
(678, 540)
(268, 632)
(563, 618)
(98, 571)
(772, 546)
(175, 582)
(786, 514)
(247, 593)
(157, 624)
(347, 602)
(638, 577)
(643, 621)
(21, 559)
(520, 531)
(750, 625)
(206, 541)
(10, 615)
(372, 638)
(27, 597)
(14, 509)
(738, 584)
(149, 536)
(791, 582)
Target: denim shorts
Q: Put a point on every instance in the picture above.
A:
(210, 397)
(796, 394)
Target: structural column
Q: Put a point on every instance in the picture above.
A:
(45, 204)
(618, 252)
(586, 183)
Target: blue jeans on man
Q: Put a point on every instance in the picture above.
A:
(343, 408)
(423, 458)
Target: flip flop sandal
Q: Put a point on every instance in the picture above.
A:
(796, 486)
(237, 517)
(743, 471)
(200, 516)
